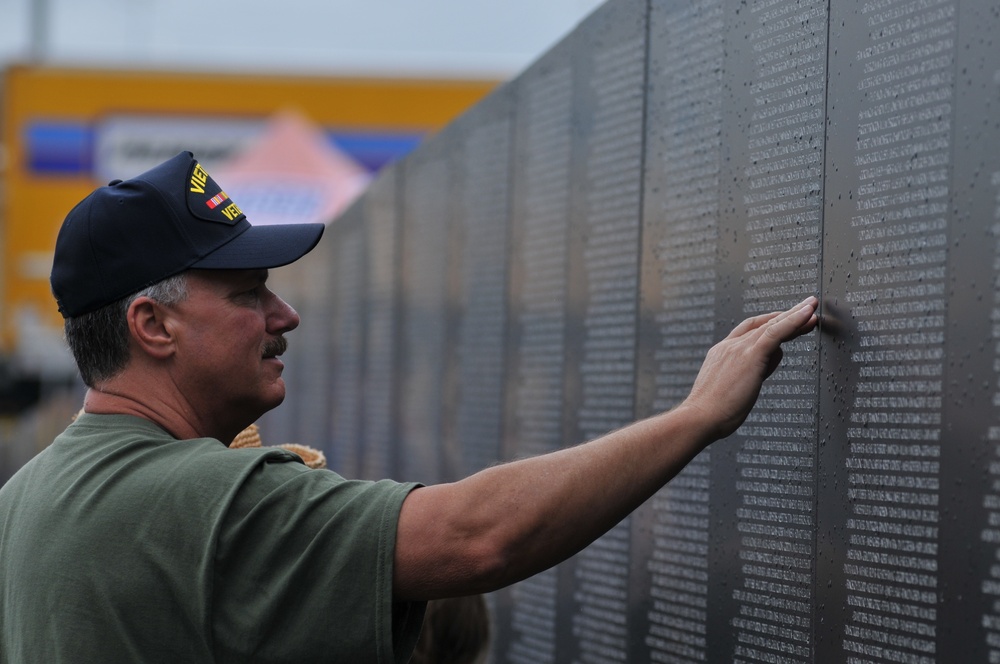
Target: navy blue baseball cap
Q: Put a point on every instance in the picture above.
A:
(174, 217)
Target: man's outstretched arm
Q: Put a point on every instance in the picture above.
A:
(508, 522)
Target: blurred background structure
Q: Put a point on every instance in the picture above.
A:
(102, 89)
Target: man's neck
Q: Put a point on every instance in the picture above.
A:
(105, 399)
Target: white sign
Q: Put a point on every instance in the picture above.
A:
(127, 145)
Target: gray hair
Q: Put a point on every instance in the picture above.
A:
(99, 340)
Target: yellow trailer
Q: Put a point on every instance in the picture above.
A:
(65, 130)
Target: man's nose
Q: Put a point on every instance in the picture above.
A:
(281, 316)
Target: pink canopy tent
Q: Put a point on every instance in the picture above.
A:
(292, 174)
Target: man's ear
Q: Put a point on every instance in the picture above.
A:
(150, 328)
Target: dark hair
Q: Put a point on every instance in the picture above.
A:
(455, 631)
(99, 340)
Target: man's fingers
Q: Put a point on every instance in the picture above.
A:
(794, 322)
(777, 318)
(753, 323)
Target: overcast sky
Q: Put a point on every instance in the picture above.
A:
(457, 38)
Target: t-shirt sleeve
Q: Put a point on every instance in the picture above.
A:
(304, 566)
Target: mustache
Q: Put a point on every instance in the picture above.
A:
(275, 347)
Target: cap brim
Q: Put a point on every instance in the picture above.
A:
(264, 246)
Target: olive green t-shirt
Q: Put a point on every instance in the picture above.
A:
(119, 543)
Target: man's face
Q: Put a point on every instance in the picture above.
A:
(229, 336)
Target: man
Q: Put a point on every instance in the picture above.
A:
(137, 536)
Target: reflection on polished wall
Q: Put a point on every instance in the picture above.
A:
(557, 261)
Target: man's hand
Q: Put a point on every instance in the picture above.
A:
(734, 369)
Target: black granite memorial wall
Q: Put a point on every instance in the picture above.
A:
(557, 262)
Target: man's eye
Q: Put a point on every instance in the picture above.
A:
(253, 294)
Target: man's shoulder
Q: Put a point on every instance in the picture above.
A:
(144, 445)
